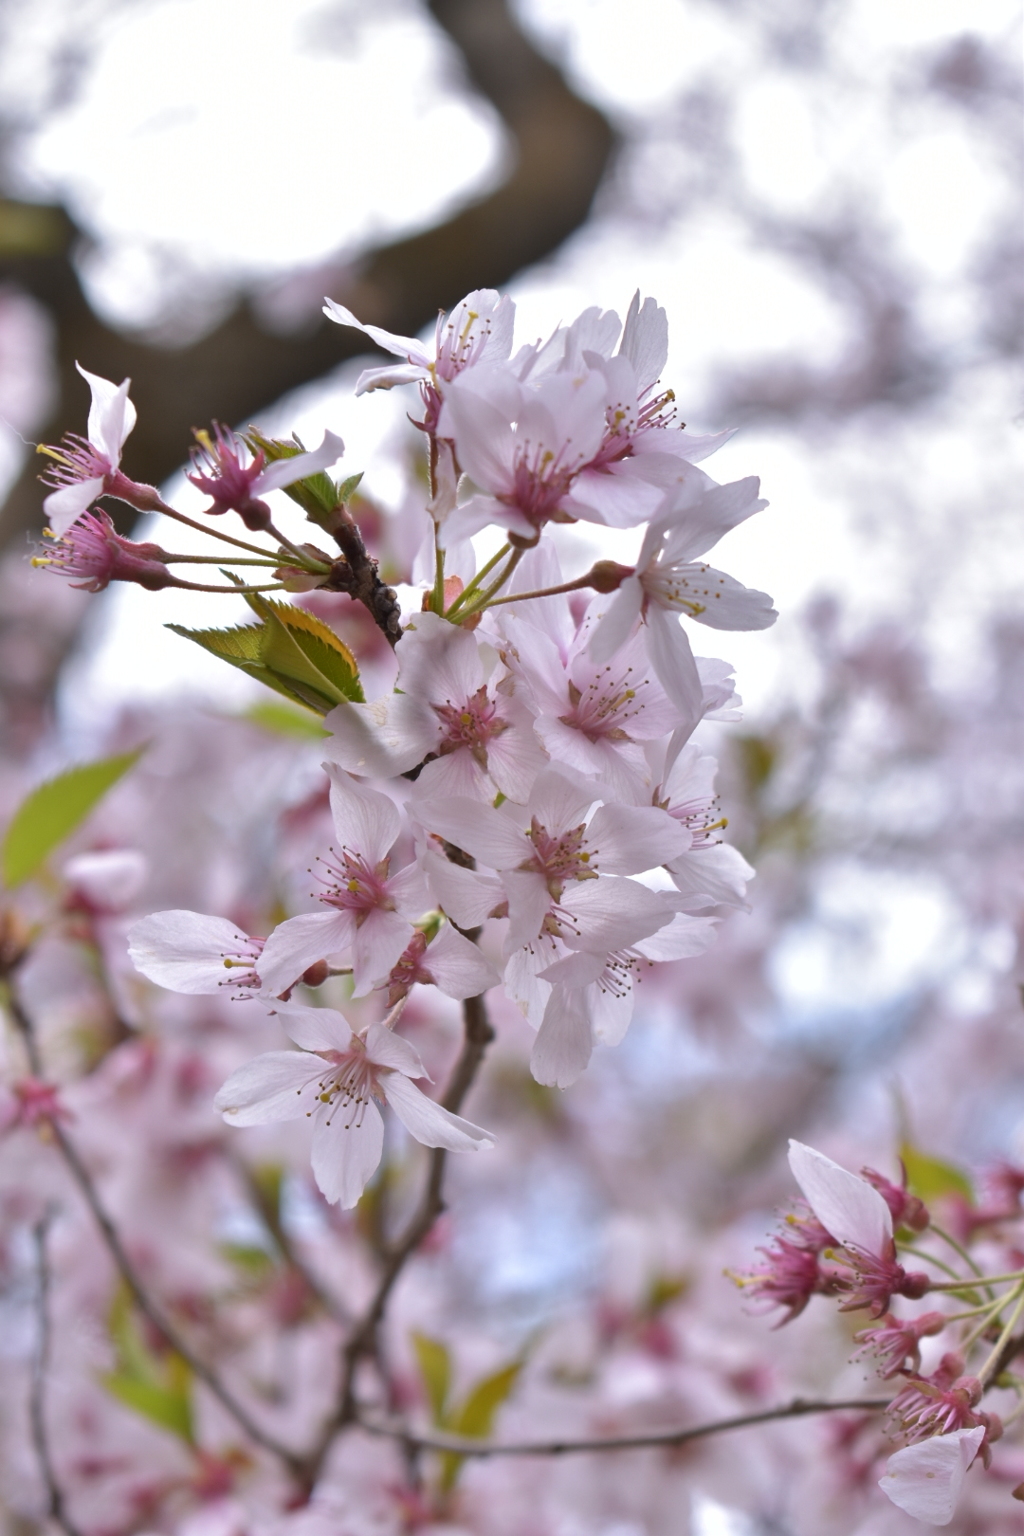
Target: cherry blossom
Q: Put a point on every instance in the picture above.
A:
(94, 552)
(232, 486)
(474, 732)
(668, 582)
(338, 1079)
(86, 468)
(370, 911)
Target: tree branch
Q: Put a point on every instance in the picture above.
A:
(129, 1274)
(55, 1506)
(461, 1446)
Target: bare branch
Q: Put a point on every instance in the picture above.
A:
(55, 1506)
(130, 1275)
(461, 1446)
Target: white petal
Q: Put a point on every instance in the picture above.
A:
(393, 1051)
(710, 597)
(367, 823)
(111, 414)
(477, 829)
(613, 629)
(645, 340)
(428, 1122)
(273, 1087)
(315, 1029)
(186, 951)
(611, 913)
(565, 1041)
(377, 947)
(674, 663)
(558, 803)
(627, 840)
(300, 942)
(286, 471)
(457, 966)
(386, 378)
(63, 508)
(926, 1479)
(847, 1207)
(401, 346)
(348, 1140)
(464, 895)
(382, 739)
(110, 877)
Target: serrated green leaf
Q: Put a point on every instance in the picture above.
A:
(291, 651)
(283, 721)
(436, 1371)
(930, 1177)
(166, 1406)
(347, 488)
(53, 810)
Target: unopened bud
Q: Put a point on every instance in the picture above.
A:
(608, 575)
(315, 975)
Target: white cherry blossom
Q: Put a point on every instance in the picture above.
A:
(370, 912)
(476, 732)
(83, 468)
(338, 1079)
(479, 327)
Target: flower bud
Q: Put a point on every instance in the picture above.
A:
(608, 575)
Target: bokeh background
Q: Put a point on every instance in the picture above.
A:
(825, 196)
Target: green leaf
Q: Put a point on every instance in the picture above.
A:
(53, 811)
(282, 721)
(436, 1371)
(158, 1387)
(291, 651)
(476, 1416)
(930, 1178)
(169, 1408)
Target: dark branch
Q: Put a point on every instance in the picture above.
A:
(461, 1446)
(55, 1506)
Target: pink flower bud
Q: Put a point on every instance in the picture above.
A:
(93, 550)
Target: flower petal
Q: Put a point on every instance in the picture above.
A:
(565, 1040)
(847, 1207)
(431, 1125)
(185, 951)
(273, 1087)
(348, 1140)
(401, 346)
(300, 942)
(926, 1479)
(286, 471)
(111, 414)
(63, 508)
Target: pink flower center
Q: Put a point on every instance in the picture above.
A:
(472, 725)
(355, 887)
(349, 1086)
(559, 857)
(601, 710)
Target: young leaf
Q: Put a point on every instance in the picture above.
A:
(476, 1416)
(930, 1178)
(436, 1370)
(158, 1388)
(317, 641)
(167, 1406)
(283, 721)
(53, 810)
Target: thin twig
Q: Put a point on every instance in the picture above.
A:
(478, 1034)
(130, 1275)
(461, 1446)
(55, 1506)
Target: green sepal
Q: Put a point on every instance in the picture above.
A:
(52, 811)
(317, 495)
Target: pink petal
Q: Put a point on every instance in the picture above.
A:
(273, 1087)
(926, 1479)
(299, 942)
(367, 823)
(348, 1140)
(286, 471)
(185, 951)
(565, 1041)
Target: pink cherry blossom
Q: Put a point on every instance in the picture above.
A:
(370, 912)
(92, 551)
(338, 1079)
(218, 471)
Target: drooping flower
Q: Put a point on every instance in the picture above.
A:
(927, 1479)
(939, 1403)
(669, 582)
(791, 1272)
(860, 1221)
(94, 552)
(476, 735)
(338, 1079)
(370, 912)
(448, 962)
(193, 953)
(234, 486)
(896, 1341)
(85, 468)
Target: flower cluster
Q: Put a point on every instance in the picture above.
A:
(846, 1246)
(526, 807)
